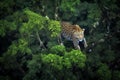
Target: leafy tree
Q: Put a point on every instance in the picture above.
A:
(116, 75)
(103, 72)
(46, 65)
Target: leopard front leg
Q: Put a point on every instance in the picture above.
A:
(85, 43)
(76, 45)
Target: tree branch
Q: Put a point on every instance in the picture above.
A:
(40, 41)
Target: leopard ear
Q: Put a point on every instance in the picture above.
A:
(83, 29)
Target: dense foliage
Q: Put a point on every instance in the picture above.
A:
(29, 47)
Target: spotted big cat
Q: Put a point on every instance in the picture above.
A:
(73, 33)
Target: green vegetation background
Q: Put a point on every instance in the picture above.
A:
(29, 48)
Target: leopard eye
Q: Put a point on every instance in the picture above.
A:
(77, 38)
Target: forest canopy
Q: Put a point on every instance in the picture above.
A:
(29, 47)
